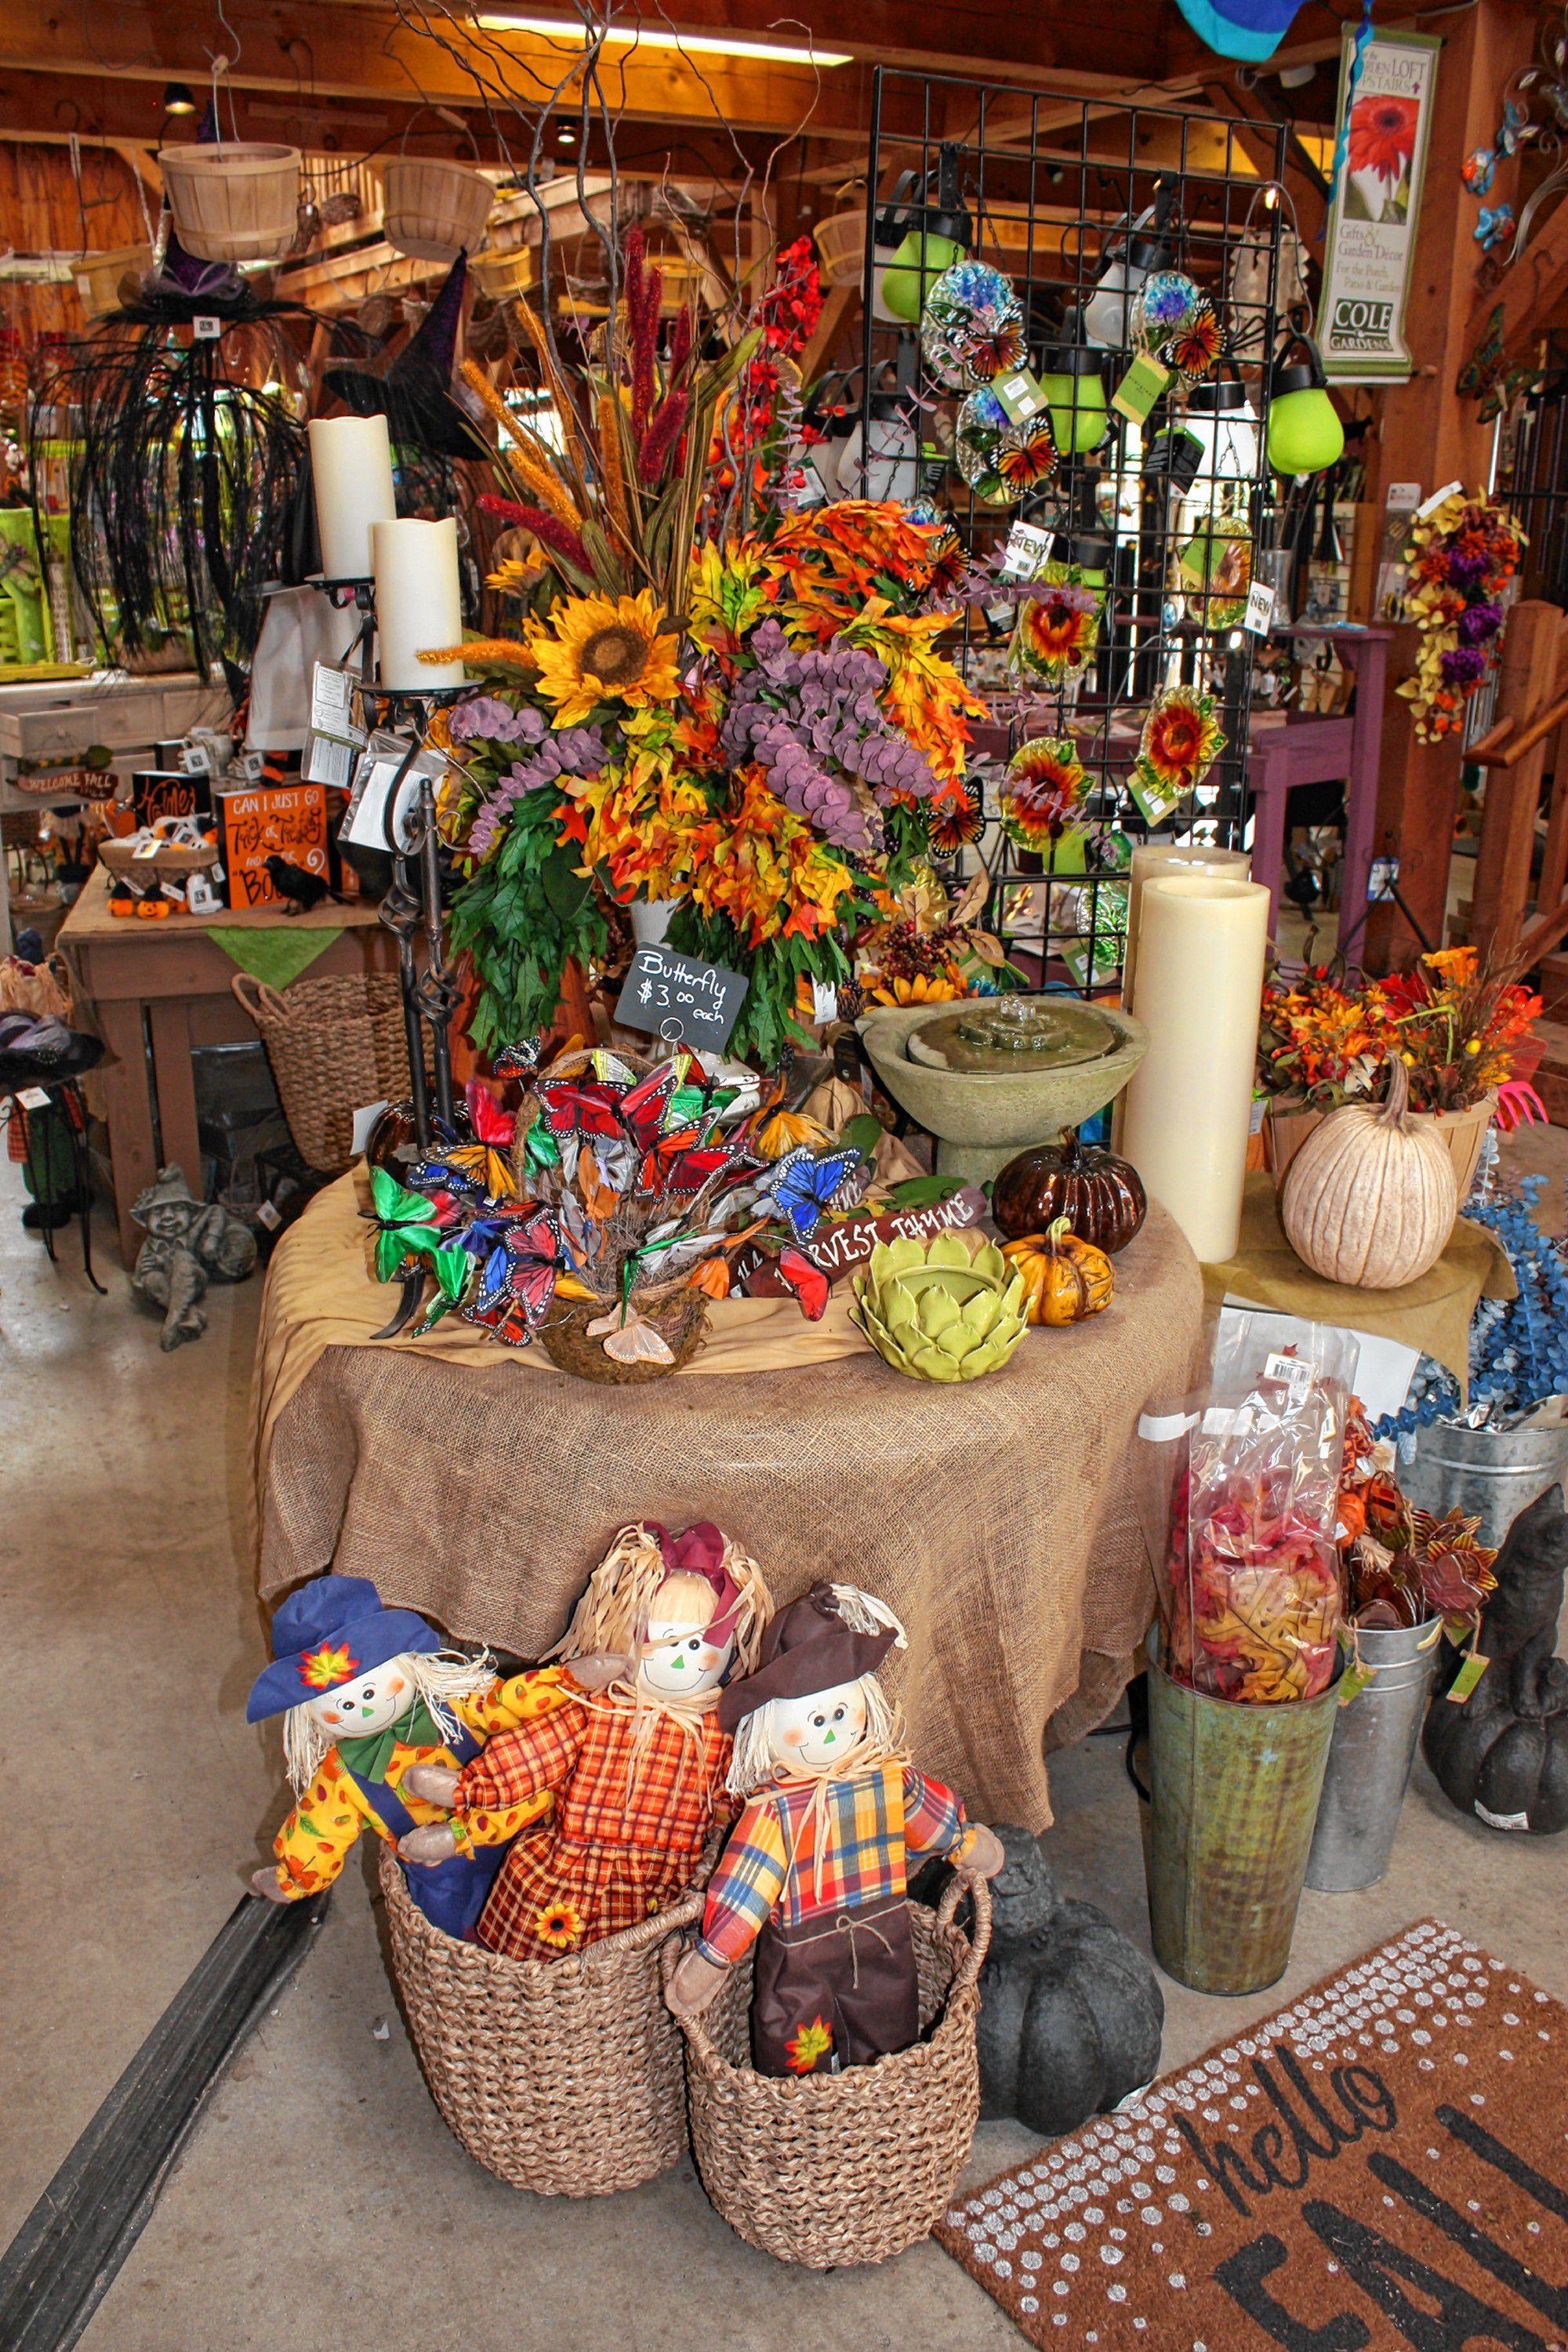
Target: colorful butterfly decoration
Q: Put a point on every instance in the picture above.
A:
(517, 1280)
(799, 1187)
(409, 1228)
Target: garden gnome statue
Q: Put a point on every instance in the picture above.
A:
(188, 1246)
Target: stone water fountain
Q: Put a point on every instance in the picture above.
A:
(991, 1074)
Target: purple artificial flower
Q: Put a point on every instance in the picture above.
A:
(1463, 666)
(1464, 570)
(1478, 623)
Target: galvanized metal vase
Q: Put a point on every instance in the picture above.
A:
(1233, 1797)
(1370, 1756)
(1491, 1474)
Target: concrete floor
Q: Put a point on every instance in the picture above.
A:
(322, 2199)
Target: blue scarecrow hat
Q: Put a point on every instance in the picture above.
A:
(329, 1631)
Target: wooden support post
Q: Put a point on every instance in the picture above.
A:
(1554, 857)
(1425, 433)
(1528, 665)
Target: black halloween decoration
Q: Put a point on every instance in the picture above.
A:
(1071, 2012)
(183, 492)
(415, 393)
(1502, 1753)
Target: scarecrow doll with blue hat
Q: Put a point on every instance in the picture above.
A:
(366, 1695)
(814, 1871)
(633, 1768)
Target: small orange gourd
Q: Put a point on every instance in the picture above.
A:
(1065, 1279)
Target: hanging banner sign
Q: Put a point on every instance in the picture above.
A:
(1370, 242)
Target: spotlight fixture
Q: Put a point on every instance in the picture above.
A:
(177, 99)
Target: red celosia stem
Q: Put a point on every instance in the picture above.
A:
(547, 529)
(669, 421)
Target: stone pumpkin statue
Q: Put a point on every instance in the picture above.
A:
(1501, 1754)
(1070, 2011)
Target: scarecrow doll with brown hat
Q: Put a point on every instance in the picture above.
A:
(368, 1693)
(634, 1767)
(816, 1868)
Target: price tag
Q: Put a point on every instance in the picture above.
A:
(1025, 550)
(248, 766)
(1353, 1681)
(823, 1001)
(1020, 395)
(1255, 1117)
(268, 1216)
(1155, 801)
(1260, 615)
(1140, 387)
(207, 329)
(195, 758)
(673, 996)
(34, 1099)
(334, 705)
(364, 1120)
(201, 897)
(1466, 1679)
(145, 849)
(325, 760)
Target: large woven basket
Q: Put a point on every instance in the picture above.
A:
(1461, 1132)
(851, 2167)
(335, 1043)
(99, 274)
(563, 2077)
(239, 203)
(431, 209)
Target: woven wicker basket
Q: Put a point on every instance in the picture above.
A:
(677, 1313)
(1461, 1133)
(334, 1043)
(233, 202)
(171, 861)
(98, 277)
(851, 2167)
(841, 244)
(563, 2077)
(433, 210)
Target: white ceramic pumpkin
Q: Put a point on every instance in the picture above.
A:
(1369, 1197)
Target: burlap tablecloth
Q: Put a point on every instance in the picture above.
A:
(481, 1487)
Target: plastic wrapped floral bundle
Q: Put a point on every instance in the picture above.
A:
(1252, 1595)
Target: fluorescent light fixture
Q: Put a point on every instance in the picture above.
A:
(700, 44)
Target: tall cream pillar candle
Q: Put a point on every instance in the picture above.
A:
(419, 603)
(1155, 857)
(351, 467)
(1200, 984)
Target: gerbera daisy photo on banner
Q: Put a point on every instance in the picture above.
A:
(1046, 782)
(1058, 626)
(1180, 743)
(1382, 130)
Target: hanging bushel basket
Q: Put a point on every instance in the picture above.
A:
(233, 202)
(562, 2077)
(334, 1045)
(826, 2169)
(98, 276)
(433, 210)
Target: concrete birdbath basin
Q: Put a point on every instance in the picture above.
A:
(988, 1076)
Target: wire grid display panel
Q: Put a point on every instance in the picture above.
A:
(1053, 186)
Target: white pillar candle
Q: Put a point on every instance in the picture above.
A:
(1154, 857)
(1201, 943)
(351, 467)
(419, 603)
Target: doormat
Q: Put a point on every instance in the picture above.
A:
(1384, 2163)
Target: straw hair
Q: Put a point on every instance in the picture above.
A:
(613, 1612)
(755, 1763)
(439, 1681)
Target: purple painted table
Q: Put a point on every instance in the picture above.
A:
(1320, 751)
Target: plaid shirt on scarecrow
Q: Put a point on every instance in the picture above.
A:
(878, 1823)
(628, 1831)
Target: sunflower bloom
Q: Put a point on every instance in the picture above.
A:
(595, 649)
(1179, 742)
(1046, 782)
(560, 1925)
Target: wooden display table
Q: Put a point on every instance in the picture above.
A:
(153, 992)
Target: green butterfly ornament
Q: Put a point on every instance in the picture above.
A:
(406, 1233)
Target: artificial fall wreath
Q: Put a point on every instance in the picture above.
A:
(1460, 559)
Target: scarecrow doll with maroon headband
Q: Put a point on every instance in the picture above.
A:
(815, 1868)
(633, 1768)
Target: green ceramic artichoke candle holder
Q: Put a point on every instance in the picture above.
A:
(933, 1310)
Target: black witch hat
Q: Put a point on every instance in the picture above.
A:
(415, 393)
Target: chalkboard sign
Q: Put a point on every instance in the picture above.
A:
(675, 996)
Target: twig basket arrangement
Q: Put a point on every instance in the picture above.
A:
(677, 1312)
(233, 202)
(835, 2169)
(334, 1043)
(433, 210)
(562, 2077)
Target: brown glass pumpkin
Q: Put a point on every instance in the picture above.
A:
(1101, 1197)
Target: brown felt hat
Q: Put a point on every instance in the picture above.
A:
(807, 1647)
